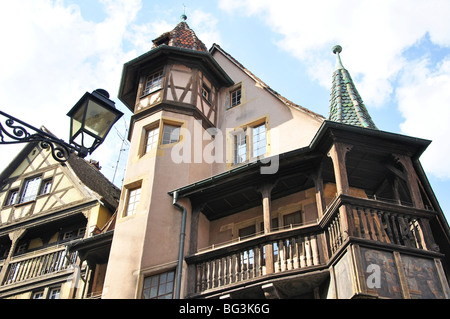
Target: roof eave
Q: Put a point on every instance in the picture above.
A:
(323, 133)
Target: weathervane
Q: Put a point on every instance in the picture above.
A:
(184, 16)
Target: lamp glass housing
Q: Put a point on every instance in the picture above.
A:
(92, 117)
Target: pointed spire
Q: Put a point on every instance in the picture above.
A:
(182, 36)
(346, 105)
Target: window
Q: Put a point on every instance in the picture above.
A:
(54, 293)
(30, 189)
(46, 186)
(206, 93)
(235, 97)
(240, 148)
(22, 248)
(292, 219)
(38, 295)
(153, 82)
(12, 197)
(171, 134)
(151, 139)
(81, 231)
(134, 196)
(249, 143)
(159, 286)
(259, 140)
(67, 235)
(247, 231)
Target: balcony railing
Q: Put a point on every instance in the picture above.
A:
(305, 248)
(377, 221)
(248, 260)
(28, 267)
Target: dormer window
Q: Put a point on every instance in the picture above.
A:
(153, 82)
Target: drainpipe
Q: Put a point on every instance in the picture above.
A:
(181, 248)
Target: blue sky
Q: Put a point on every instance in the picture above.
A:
(398, 53)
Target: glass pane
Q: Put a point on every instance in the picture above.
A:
(153, 82)
(153, 292)
(98, 119)
(259, 140)
(31, 189)
(170, 276)
(152, 139)
(147, 282)
(171, 134)
(240, 155)
(77, 120)
(162, 289)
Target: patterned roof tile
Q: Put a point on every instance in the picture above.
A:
(346, 105)
(182, 37)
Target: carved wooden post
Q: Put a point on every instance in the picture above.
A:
(338, 154)
(320, 197)
(14, 236)
(265, 190)
(411, 180)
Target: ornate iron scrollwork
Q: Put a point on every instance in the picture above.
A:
(14, 131)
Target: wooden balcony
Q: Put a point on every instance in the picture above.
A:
(38, 264)
(310, 248)
(373, 220)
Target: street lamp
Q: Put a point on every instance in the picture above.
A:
(91, 119)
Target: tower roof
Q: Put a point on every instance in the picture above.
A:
(182, 37)
(346, 105)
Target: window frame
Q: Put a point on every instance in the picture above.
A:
(206, 92)
(147, 289)
(52, 290)
(13, 196)
(235, 101)
(155, 138)
(46, 186)
(135, 203)
(154, 77)
(253, 140)
(24, 197)
(238, 142)
(165, 125)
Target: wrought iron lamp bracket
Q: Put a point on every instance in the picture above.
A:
(14, 131)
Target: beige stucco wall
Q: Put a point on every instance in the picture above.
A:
(287, 127)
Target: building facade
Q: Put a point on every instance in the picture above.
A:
(46, 206)
(233, 191)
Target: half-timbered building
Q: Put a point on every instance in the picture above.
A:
(46, 206)
(233, 191)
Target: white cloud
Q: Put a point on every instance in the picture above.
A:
(423, 98)
(51, 56)
(373, 34)
(205, 26)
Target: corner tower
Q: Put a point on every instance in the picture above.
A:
(172, 91)
(177, 74)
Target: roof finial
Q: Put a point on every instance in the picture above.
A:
(336, 50)
(184, 16)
